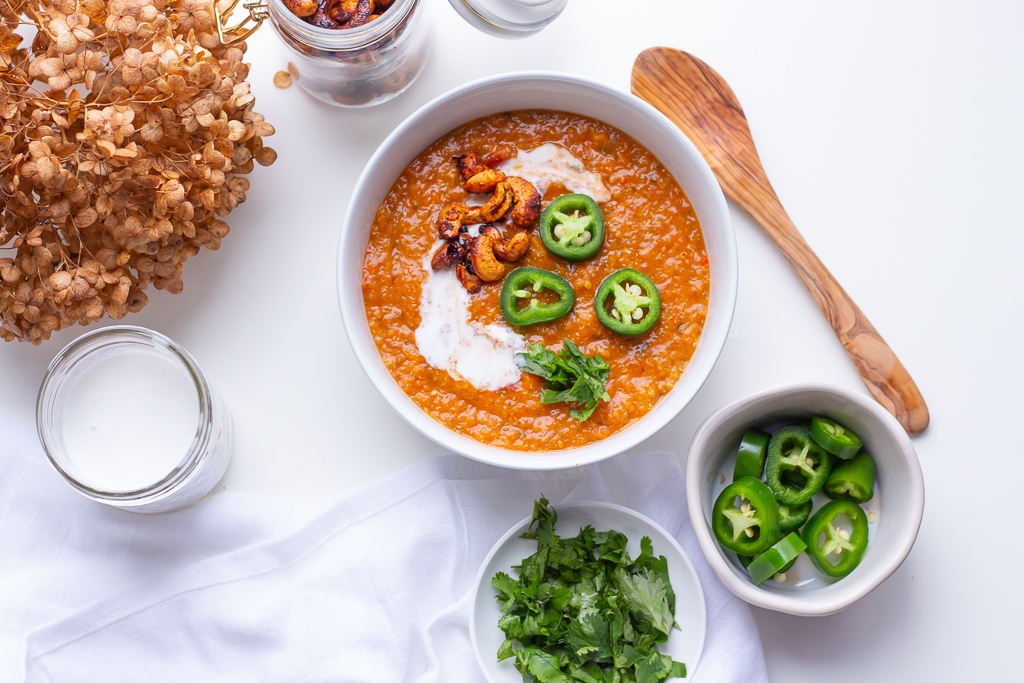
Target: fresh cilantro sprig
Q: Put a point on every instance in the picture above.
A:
(582, 611)
(572, 377)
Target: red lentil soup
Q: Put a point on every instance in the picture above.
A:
(649, 226)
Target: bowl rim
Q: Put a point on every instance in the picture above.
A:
(727, 284)
(898, 551)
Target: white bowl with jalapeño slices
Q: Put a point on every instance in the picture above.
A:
(785, 490)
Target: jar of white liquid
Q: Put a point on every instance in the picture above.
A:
(130, 420)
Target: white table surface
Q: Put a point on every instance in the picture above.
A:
(893, 132)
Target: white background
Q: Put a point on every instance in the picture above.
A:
(893, 133)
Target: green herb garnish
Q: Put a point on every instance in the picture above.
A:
(582, 610)
(571, 377)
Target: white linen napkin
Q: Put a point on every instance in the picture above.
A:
(373, 589)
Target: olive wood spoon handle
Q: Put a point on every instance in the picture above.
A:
(700, 102)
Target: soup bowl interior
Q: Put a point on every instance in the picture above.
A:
(900, 486)
(579, 96)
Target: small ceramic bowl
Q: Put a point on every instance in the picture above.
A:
(540, 90)
(899, 491)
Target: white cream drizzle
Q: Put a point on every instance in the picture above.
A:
(485, 355)
(551, 163)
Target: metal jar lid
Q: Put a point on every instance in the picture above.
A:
(509, 18)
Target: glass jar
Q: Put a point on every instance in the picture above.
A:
(356, 67)
(99, 396)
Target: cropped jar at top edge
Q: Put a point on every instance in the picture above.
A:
(199, 469)
(356, 67)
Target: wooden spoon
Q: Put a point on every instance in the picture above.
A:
(701, 103)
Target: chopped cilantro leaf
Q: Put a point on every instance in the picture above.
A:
(572, 377)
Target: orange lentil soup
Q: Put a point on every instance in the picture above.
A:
(649, 226)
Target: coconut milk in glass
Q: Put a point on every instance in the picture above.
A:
(128, 418)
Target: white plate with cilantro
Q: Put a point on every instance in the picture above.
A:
(578, 601)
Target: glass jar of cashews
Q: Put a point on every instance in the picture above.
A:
(353, 53)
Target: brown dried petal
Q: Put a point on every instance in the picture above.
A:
(266, 157)
(282, 79)
(60, 281)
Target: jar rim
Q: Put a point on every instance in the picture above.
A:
(81, 348)
(340, 39)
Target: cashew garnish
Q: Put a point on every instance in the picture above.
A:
(507, 250)
(451, 253)
(470, 164)
(484, 181)
(527, 199)
(450, 220)
(496, 207)
(478, 260)
(469, 280)
(481, 255)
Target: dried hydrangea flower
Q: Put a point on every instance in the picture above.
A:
(125, 131)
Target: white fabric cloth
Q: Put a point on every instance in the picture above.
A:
(373, 588)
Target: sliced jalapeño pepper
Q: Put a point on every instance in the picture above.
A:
(835, 438)
(753, 525)
(852, 479)
(792, 517)
(519, 302)
(777, 559)
(572, 227)
(752, 454)
(797, 467)
(826, 540)
(627, 302)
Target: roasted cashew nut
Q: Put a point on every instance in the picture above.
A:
(527, 200)
(470, 281)
(469, 164)
(364, 9)
(340, 11)
(484, 181)
(512, 249)
(351, 13)
(444, 257)
(451, 253)
(495, 208)
(302, 8)
(481, 256)
(450, 220)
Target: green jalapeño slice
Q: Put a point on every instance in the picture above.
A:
(852, 479)
(797, 467)
(627, 302)
(521, 302)
(752, 454)
(776, 560)
(835, 438)
(572, 227)
(792, 517)
(834, 550)
(749, 526)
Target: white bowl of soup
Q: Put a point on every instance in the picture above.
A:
(446, 360)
